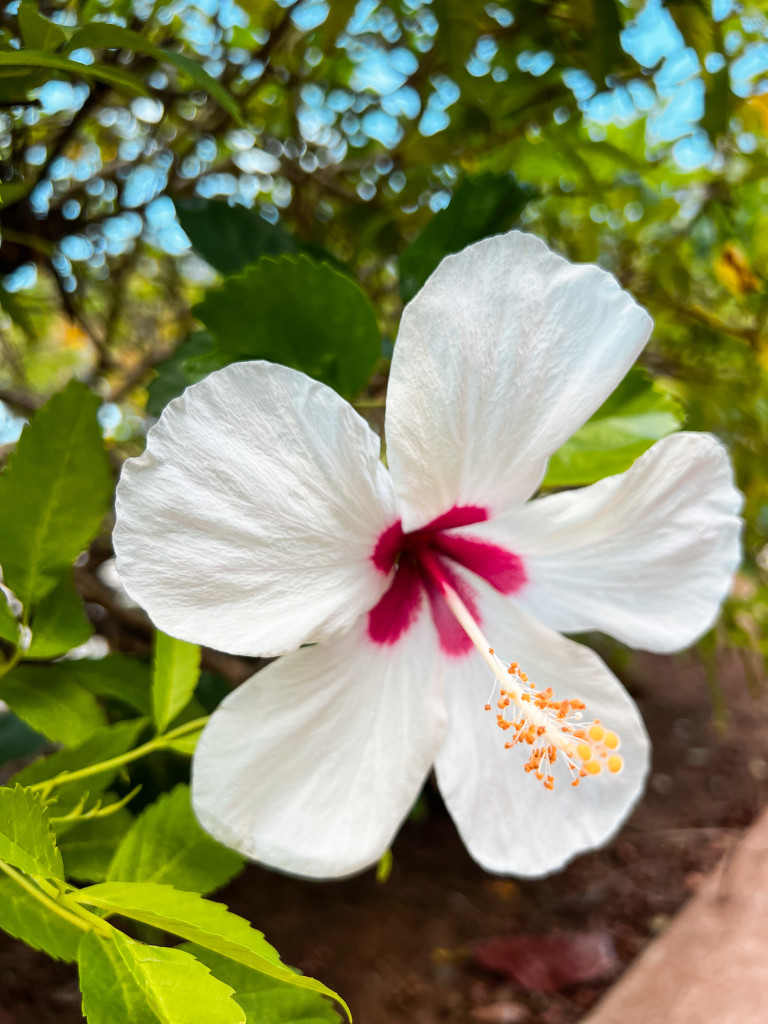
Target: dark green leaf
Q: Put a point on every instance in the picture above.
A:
(177, 668)
(37, 32)
(300, 313)
(121, 80)
(54, 493)
(123, 980)
(481, 206)
(59, 623)
(27, 841)
(230, 238)
(626, 425)
(177, 373)
(717, 103)
(116, 676)
(167, 845)
(25, 918)
(17, 740)
(199, 920)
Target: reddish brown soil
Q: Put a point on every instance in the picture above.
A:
(402, 951)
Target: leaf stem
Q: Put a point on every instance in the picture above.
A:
(48, 901)
(158, 743)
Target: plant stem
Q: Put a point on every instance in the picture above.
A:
(48, 902)
(11, 663)
(158, 743)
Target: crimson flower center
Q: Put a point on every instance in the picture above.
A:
(424, 562)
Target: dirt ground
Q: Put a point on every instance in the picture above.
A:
(411, 950)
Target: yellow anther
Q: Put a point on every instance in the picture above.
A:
(584, 751)
(596, 732)
(593, 767)
(611, 740)
(615, 763)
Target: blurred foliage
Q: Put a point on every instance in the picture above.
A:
(362, 142)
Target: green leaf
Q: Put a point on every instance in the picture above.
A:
(626, 425)
(10, 301)
(123, 980)
(27, 841)
(54, 493)
(59, 623)
(300, 313)
(264, 1000)
(717, 103)
(17, 740)
(177, 373)
(49, 700)
(121, 80)
(199, 920)
(167, 845)
(9, 624)
(25, 918)
(481, 206)
(37, 32)
(89, 846)
(177, 669)
(230, 238)
(104, 745)
(100, 35)
(116, 676)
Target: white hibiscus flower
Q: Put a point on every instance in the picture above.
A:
(260, 518)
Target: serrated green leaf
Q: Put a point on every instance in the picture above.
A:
(264, 1000)
(37, 32)
(89, 846)
(25, 918)
(48, 699)
(300, 313)
(123, 980)
(59, 622)
(102, 746)
(626, 425)
(116, 77)
(9, 624)
(230, 238)
(27, 841)
(177, 669)
(100, 35)
(481, 206)
(167, 845)
(54, 493)
(199, 920)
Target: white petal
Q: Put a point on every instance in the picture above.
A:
(647, 556)
(510, 823)
(249, 522)
(503, 354)
(311, 765)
